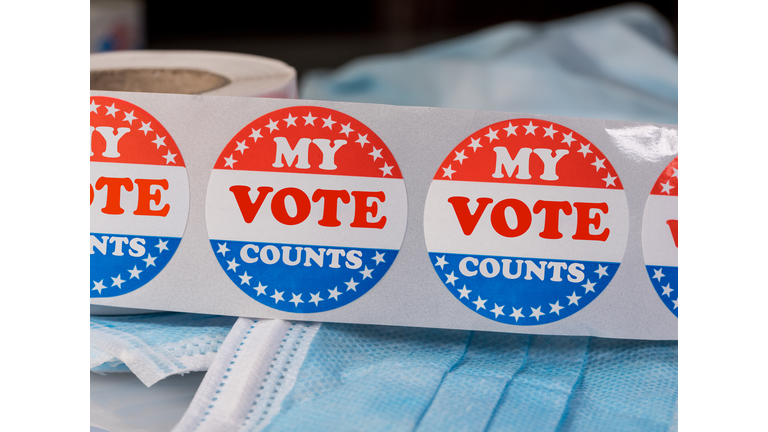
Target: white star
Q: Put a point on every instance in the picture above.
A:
(260, 289)
(112, 110)
(673, 301)
(230, 161)
(95, 109)
(609, 180)
(98, 286)
(573, 299)
(316, 299)
(223, 249)
(536, 313)
(441, 261)
(255, 134)
(517, 313)
(245, 279)
(590, 286)
(491, 135)
(118, 280)
(475, 144)
(363, 140)
(480, 303)
(657, 274)
(366, 273)
(451, 279)
(556, 308)
(327, 122)
(448, 172)
(334, 294)
(511, 130)
(272, 126)
(145, 127)
(584, 149)
(134, 273)
(309, 120)
(530, 129)
(129, 117)
(150, 260)
(233, 265)
(497, 310)
(170, 157)
(568, 139)
(278, 296)
(345, 129)
(386, 169)
(674, 172)
(550, 132)
(601, 271)
(241, 147)
(598, 163)
(290, 121)
(351, 285)
(667, 290)
(161, 245)
(160, 141)
(464, 293)
(376, 153)
(295, 299)
(379, 258)
(666, 187)
(460, 157)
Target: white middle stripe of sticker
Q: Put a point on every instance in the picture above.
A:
(226, 221)
(659, 246)
(444, 232)
(176, 197)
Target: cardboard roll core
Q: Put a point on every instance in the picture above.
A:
(176, 81)
(192, 72)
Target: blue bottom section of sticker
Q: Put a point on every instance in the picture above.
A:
(124, 263)
(522, 291)
(664, 280)
(302, 278)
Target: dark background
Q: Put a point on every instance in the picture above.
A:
(326, 34)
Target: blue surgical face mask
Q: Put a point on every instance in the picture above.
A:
(615, 64)
(103, 363)
(275, 376)
(155, 346)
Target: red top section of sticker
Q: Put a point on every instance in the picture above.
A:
(309, 140)
(529, 151)
(124, 133)
(667, 183)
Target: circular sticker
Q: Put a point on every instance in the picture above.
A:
(526, 222)
(660, 236)
(306, 209)
(139, 197)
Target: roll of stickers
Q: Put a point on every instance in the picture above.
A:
(184, 72)
(377, 214)
(193, 72)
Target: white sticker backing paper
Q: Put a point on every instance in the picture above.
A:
(376, 214)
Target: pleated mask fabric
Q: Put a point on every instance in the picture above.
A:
(616, 64)
(343, 377)
(154, 346)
